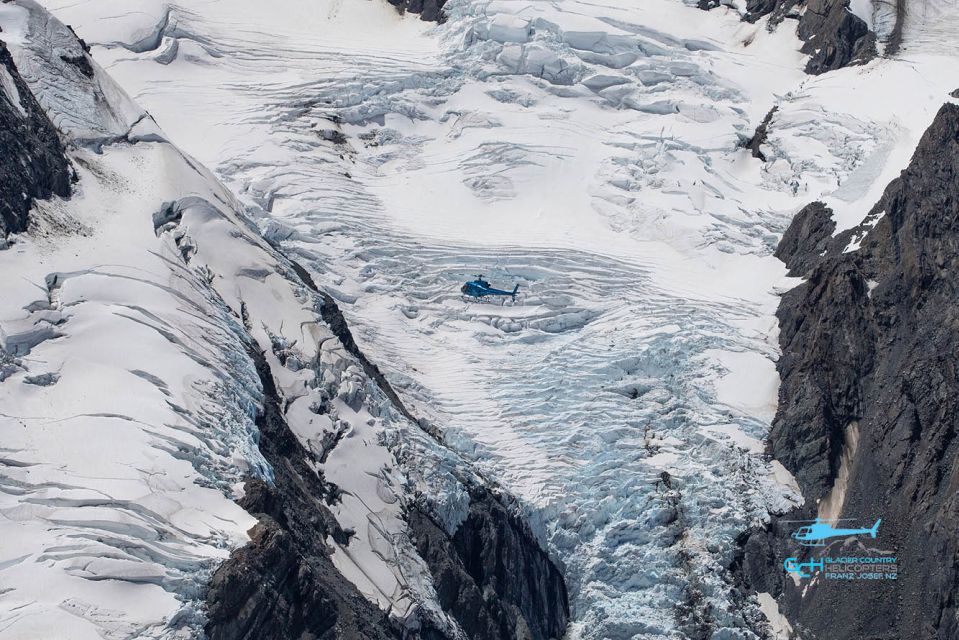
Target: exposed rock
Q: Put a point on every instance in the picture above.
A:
(430, 10)
(83, 43)
(894, 41)
(955, 94)
(492, 576)
(34, 165)
(777, 10)
(42, 380)
(821, 371)
(807, 238)
(81, 62)
(755, 143)
(332, 135)
(869, 341)
(834, 36)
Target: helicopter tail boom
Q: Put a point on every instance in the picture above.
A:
(875, 528)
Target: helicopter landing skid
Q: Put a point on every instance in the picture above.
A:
(487, 300)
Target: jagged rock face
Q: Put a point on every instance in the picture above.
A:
(430, 10)
(492, 576)
(832, 35)
(828, 343)
(870, 338)
(34, 165)
(806, 239)
(778, 10)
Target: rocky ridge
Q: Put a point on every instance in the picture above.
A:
(35, 166)
(868, 403)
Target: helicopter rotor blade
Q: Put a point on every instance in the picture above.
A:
(822, 520)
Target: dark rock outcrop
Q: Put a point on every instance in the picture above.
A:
(758, 139)
(81, 62)
(806, 239)
(828, 341)
(831, 34)
(429, 10)
(869, 375)
(34, 164)
(777, 10)
(491, 575)
(834, 36)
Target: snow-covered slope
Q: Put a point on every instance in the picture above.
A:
(588, 151)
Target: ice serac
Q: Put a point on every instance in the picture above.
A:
(833, 35)
(868, 355)
(34, 164)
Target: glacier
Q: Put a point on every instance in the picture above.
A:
(589, 151)
(147, 329)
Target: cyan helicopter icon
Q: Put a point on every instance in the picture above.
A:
(816, 534)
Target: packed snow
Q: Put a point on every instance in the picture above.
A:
(117, 491)
(587, 151)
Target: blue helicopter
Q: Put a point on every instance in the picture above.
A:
(481, 288)
(816, 534)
